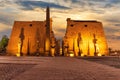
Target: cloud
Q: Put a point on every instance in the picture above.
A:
(7, 18)
(109, 29)
(3, 3)
(114, 44)
(117, 25)
(115, 1)
(30, 5)
(61, 30)
(112, 33)
(5, 32)
(113, 20)
(116, 37)
(4, 27)
(112, 16)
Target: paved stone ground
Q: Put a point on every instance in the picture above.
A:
(56, 68)
(8, 70)
(113, 61)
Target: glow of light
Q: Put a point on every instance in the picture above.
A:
(52, 51)
(18, 55)
(47, 45)
(115, 53)
(99, 54)
(71, 55)
(82, 55)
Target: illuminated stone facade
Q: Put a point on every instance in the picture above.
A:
(32, 38)
(84, 38)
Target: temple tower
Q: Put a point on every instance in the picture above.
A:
(32, 38)
(84, 38)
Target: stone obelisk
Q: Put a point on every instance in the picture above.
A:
(47, 44)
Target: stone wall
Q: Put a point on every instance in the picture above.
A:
(30, 34)
(85, 36)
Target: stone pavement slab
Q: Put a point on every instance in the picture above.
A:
(62, 68)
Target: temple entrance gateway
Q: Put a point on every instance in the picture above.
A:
(84, 38)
